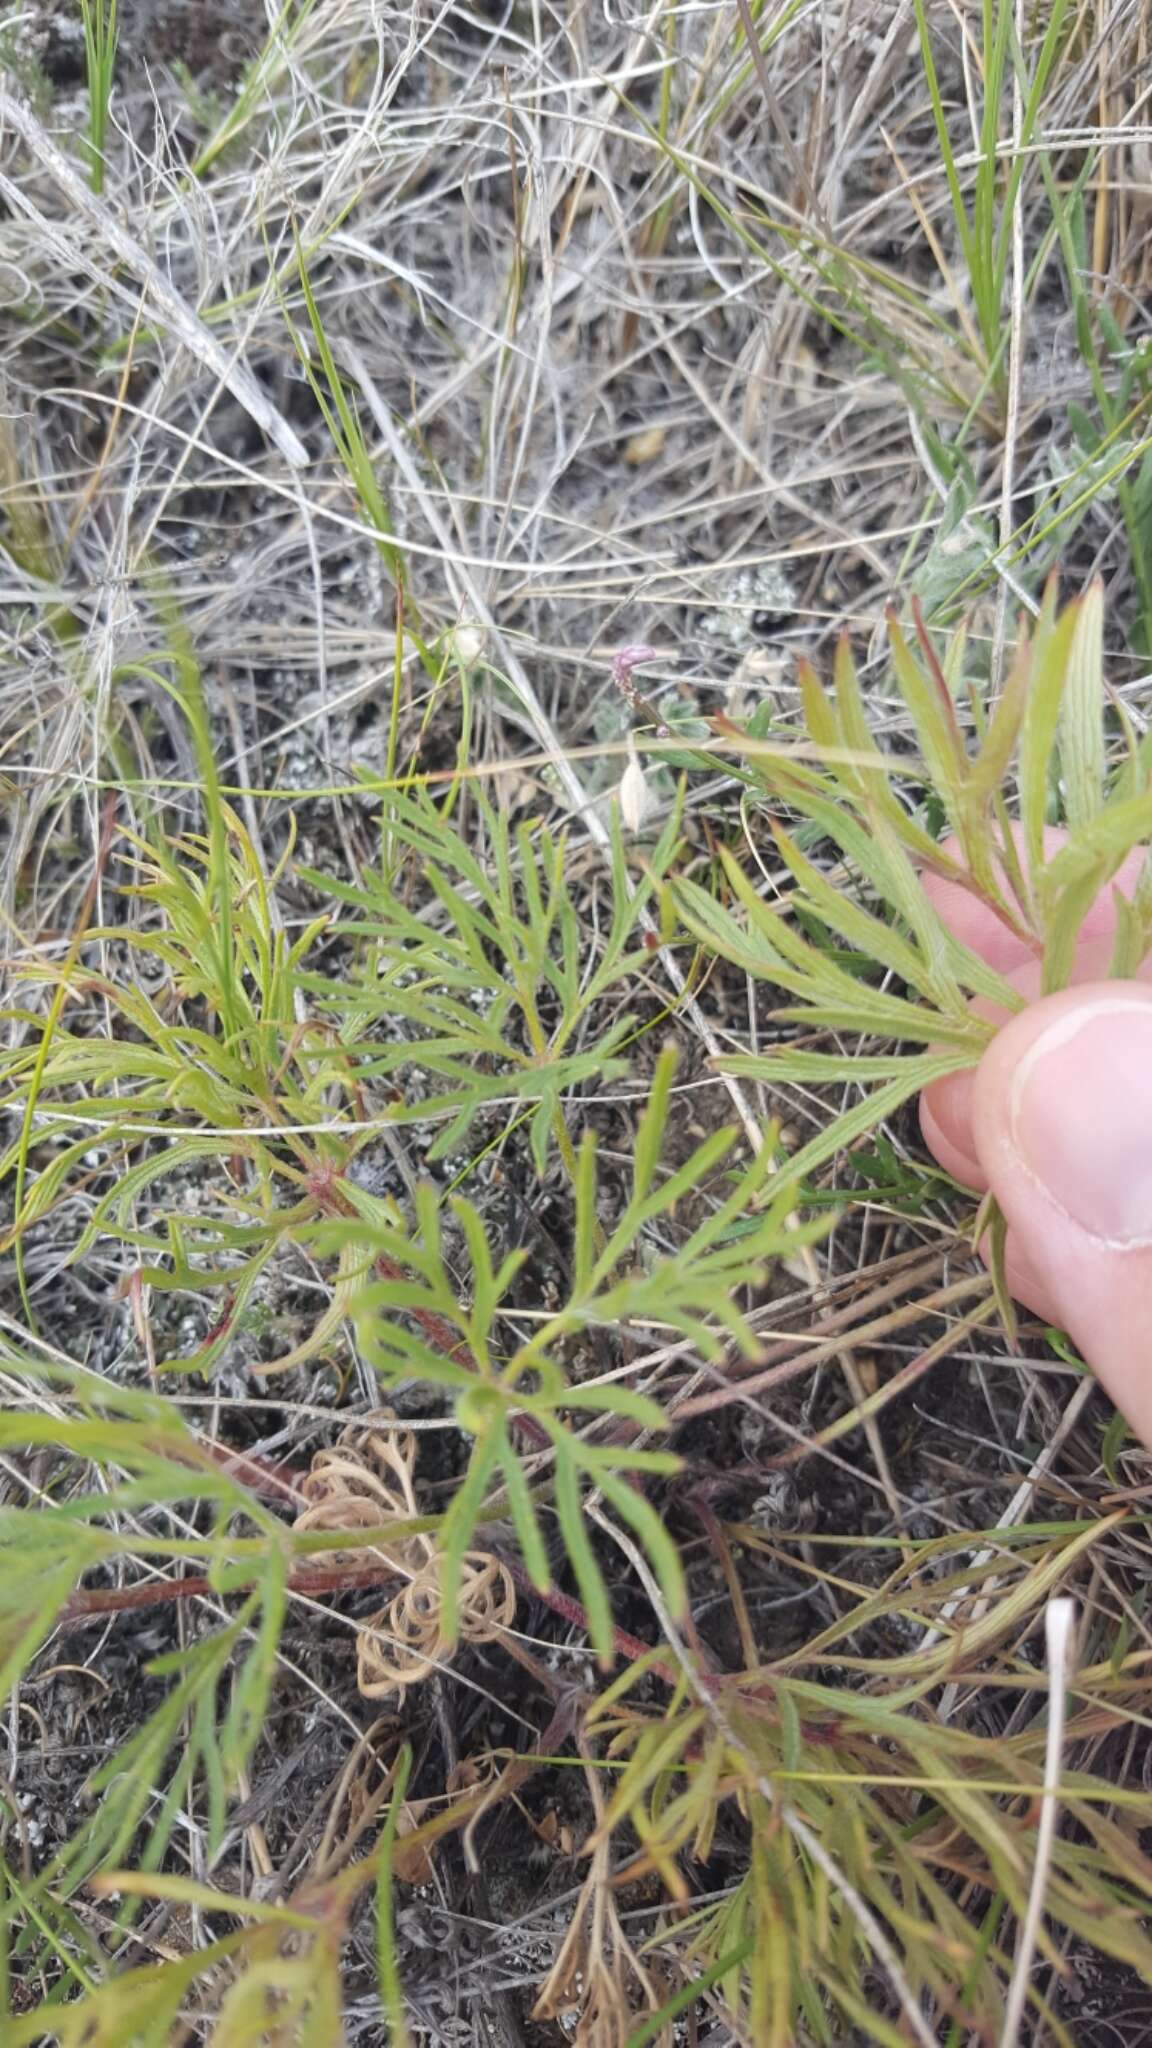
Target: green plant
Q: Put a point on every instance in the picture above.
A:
(1044, 744)
(309, 1109)
(983, 218)
(342, 420)
(1112, 440)
(259, 84)
(213, 1043)
(850, 1808)
(482, 990)
(101, 35)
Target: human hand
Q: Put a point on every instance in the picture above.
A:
(1057, 1121)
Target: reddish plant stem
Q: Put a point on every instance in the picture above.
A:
(85, 1606)
(272, 1481)
(280, 1481)
(333, 1579)
(442, 1337)
(440, 1334)
(570, 1610)
(123, 1599)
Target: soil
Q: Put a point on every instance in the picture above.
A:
(214, 41)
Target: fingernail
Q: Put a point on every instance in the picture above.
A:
(1081, 1117)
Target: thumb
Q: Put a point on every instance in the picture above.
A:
(1062, 1123)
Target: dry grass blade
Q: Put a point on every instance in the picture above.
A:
(188, 328)
(1060, 1636)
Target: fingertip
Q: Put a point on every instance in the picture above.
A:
(974, 924)
(1088, 1080)
(1062, 1125)
(946, 1127)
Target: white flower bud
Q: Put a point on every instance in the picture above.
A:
(636, 800)
(468, 643)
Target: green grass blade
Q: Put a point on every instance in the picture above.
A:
(633, 1508)
(1082, 710)
(525, 1521)
(570, 1515)
(388, 1974)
